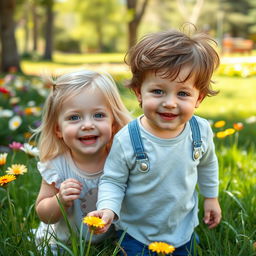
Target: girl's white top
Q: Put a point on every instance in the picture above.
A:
(56, 171)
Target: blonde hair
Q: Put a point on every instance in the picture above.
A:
(166, 53)
(67, 86)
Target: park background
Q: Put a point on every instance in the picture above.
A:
(54, 37)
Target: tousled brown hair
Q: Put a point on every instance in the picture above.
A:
(166, 53)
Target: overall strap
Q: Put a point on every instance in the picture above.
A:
(141, 156)
(196, 136)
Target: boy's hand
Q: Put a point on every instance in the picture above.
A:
(106, 215)
(70, 190)
(212, 212)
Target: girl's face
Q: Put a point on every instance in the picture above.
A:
(167, 105)
(85, 123)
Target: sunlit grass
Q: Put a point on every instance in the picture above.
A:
(236, 98)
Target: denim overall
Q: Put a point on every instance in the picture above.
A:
(130, 245)
(140, 154)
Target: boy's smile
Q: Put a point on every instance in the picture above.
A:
(167, 105)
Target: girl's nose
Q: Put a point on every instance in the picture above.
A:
(87, 125)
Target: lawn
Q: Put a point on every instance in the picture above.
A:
(235, 103)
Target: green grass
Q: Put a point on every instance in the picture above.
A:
(65, 62)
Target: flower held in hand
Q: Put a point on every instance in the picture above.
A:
(93, 221)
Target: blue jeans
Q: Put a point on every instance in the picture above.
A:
(132, 247)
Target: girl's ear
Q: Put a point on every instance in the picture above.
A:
(200, 99)
(58, 131)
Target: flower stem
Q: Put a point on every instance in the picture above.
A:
(89, 243)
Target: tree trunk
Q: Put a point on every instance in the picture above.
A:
(35, 27)
(133, 24)
(100, 36)
(49, 32)
(9, 57)
(132, 32)
(26, 28)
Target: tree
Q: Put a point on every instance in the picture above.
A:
(136, 14)
(9, 52)
(98, 14)
(48, 28)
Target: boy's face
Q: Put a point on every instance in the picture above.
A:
(167, 105)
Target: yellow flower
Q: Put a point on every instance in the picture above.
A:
(230, 131)
(94, 221)
(27, 135)
(3, 157)
(221, 135)
(161, 247)
(6, 179)
(238, 126)
(17, 169)
(219, 124)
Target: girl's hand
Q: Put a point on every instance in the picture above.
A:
(70, 190)
(212, 212)
(106, 215)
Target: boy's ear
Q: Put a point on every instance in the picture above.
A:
(58, 131)
(200, 99)
(138, 94)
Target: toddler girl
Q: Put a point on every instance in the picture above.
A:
(81, 116)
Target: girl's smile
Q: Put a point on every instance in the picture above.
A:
(85, 124)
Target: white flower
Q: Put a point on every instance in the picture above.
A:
(31, 103)
(30, 150)
(14, 123)
(6, 113)
(251, 120)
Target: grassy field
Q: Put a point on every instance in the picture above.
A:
(235, 236)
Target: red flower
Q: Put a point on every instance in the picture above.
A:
(4, 90)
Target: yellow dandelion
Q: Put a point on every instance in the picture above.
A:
(27, 135)
(93, 221)
(17, 169)
(161, 247)
(238, 126)
(6, 179)
(3, 158)
(221, 135)
(230, 131)
(219, 124)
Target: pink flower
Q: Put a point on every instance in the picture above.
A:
(15, 145)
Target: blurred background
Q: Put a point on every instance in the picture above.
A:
(40, 29)
(57, 36)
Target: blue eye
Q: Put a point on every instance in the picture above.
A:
(183, 94)
(74, 118)
(99, 115)
(158, 91)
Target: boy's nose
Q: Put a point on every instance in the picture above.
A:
(170, 102)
